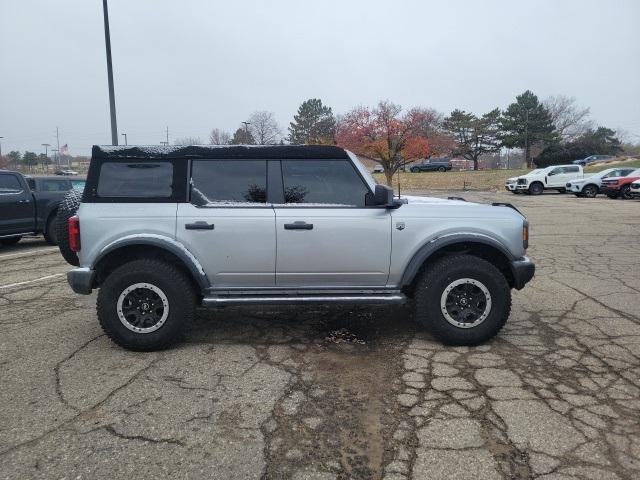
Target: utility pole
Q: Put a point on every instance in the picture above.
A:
(125, 138)
(526, 138)
(246, 131)
(57, 162)
(58, 149)
(112, 98)
(1, 146)
(167, 136)
(46, 157)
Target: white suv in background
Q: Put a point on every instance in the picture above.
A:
(536, 181)
(590, 186)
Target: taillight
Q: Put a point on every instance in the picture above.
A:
(525, 234)
(73, 225)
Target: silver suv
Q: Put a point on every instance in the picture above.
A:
(162, 230)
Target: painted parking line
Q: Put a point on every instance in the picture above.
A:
(19, 284)
(44, 251)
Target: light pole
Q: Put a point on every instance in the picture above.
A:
(1, 146)
(246, 131)
(125, 138)
(112, 98)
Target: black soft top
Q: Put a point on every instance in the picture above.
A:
(219, 151)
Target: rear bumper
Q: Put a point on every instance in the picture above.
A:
(523, 270)
(81, 280)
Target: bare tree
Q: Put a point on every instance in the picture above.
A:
(570, 120)
(264, 128)
(185, 141)
(219, 137)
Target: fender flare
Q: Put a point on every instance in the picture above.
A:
(435, 244)
(165, 243)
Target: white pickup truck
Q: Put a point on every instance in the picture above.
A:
(537, 181)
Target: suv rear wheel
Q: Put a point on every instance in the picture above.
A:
(145, 304)
(625, 192)
(590, 191)
(462, 300)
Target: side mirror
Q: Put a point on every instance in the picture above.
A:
(383, 196)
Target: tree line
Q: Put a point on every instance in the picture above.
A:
(548, 132)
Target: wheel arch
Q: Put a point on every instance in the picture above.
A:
(123, 251)
(481, 246)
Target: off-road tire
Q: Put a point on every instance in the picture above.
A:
(433, 282)
(536, 188)
(590, 191)
(67, 209)
(50, 230)
(10, 241)
(442, 169)
(175, 285)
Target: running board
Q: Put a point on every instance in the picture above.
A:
(384, 299)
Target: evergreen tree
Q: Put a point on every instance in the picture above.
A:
(242, 137)
(527, 122)
(474, 136)
(313, 124)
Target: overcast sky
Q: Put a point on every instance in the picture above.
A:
(193, 65)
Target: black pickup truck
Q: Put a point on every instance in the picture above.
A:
(432, 165)
(28, 205)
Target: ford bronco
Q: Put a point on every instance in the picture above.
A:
(162, 230)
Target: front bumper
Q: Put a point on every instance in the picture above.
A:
(610, 190)
(516, 186)
(523, 270)
(81, 280)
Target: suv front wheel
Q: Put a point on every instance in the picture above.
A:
(145, 304)
(462, 300)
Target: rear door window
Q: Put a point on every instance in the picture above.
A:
(228, 182)
(136, 180)
(326, 182)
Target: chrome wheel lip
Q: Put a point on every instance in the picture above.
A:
(157, 291)
(447, 291)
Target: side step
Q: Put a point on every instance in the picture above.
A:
(215, 301)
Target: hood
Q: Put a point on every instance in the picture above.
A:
(450, 208)
(414, 199)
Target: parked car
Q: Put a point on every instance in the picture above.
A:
(590, 186)
(66, 172)
(28, 205)
(378, 169)
(537, 181)
(204, 228)
(620, 187)
(592, 158)
(431, 165)
(634, 189)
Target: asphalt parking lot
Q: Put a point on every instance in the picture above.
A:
(269, 393)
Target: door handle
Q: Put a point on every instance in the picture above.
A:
(298, 226)
(199, 226)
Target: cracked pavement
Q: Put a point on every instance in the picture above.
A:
(259, 392)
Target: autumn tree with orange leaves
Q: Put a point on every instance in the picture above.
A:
(385, 134)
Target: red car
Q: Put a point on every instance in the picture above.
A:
(619, 187)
